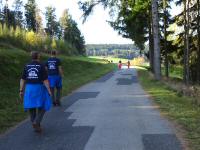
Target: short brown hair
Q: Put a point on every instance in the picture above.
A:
(53, 52)
(35, 55)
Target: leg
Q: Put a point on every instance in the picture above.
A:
(58, 95)
(32, 112)
(53, 95)
(39, 116)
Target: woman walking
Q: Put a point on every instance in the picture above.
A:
(128, 64)
(120, 65)
(35, 90)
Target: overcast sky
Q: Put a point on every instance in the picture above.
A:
(95, 30)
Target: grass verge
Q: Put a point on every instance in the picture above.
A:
(179, 108)
(77, 70)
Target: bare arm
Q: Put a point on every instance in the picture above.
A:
(22, 84)
(21, 89)
(46, 83)
(61, 71)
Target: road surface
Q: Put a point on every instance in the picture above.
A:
(111, 113)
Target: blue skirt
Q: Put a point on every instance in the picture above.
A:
(37, 96)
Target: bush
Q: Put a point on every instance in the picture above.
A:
(138, 61)
(29, 40)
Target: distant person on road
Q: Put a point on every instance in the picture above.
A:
(120, 64)
(35, 90)
(55, 74)
(128, 64)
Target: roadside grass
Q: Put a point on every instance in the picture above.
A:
(179, 108)
(175, 71)
(77, 71)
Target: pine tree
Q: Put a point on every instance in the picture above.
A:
(18, 13)
(71, 33)
(52, 26)
(39, 27)
(8, 16)
(30, 14)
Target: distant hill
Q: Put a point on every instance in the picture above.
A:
(116, 50)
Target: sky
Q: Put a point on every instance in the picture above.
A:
(95, 30)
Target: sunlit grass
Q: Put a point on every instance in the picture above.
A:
(179, 108)
(175, 71)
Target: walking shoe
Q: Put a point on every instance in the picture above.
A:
(37, 127)
(54, 103)
(58, 103)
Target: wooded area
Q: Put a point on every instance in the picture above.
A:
(151, 21)
(22, 26)
(128, 51)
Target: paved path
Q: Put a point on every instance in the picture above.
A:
(112, 113)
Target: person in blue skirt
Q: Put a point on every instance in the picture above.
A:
(55, 74)
(35, 90)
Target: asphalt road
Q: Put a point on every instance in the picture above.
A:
(112, 113)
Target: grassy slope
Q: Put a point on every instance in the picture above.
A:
(77, 70)
(177, 107)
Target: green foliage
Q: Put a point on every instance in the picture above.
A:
(52, 26)
(18, 4)
(175, 72)
(53, 44)
(131, 17)
(30, 13)
(71, 33)
(29, 40)
(128, 51)
(67, 39)
(192, 23)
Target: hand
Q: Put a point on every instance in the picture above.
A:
(50, 94)
(21, 95)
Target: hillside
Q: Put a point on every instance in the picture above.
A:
(77, 70)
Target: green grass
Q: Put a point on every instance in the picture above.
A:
(175, 71)
(179, 108)
(77, 71)
(115, 60)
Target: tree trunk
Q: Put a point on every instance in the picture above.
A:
(156, 37)
(187, 43)
(165, 40)
(198, 42)
(151, 49)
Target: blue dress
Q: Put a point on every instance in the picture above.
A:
(37, 96)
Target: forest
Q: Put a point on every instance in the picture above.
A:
(152, 21)
(128, 51)
(23, 26)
